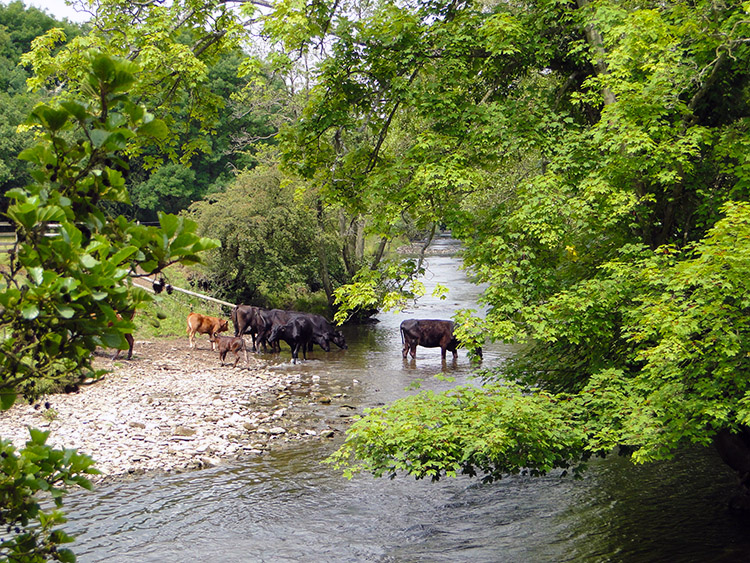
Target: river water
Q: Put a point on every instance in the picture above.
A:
(287, 506)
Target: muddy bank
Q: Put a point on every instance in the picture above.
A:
(173, 409)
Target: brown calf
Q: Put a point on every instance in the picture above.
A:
(225, 344)
(203, 324)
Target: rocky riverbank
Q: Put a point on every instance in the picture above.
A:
(172, 409)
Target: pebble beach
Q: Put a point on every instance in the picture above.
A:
(172, 409)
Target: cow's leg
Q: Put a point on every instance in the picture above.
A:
(236, 357)
(262, 340)
(442, 352)
(405, 349)
(131, 342)
(295, 352)
(413, 350)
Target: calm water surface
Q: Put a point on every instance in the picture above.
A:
(287, 506)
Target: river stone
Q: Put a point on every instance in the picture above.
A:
(184, 431)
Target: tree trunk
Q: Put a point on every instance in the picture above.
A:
(379, 253)
(425, 245)
(595, 40)
(325, 277)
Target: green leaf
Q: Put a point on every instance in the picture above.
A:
(53, 119)
(30, 311)
(66, 556)
(36, 273)
(65, 311)
(156, 129)
(75, 109)
(99, 137)
(38, 437)
(7, 399)
(169, 224)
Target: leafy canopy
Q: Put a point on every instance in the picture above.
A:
(592, 157)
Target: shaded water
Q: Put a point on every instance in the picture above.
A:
(286, 506)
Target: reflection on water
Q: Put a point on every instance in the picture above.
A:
(287, 506)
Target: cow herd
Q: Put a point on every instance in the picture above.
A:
(302, 331)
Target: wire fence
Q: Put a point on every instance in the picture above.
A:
(8, 239)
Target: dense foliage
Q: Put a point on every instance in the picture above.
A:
(270, 242)
(19, 26)
(593, 158)
(67, 286)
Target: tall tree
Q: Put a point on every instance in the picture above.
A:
(19, 25)
(588, 155)
(270, 240)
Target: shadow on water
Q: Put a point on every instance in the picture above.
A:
(289, 506)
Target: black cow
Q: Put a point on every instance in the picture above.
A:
(248, 319)
(430, 333)
(297, 332)
(259, 322)
(324, 333)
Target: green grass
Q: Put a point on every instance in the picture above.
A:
(174, 309)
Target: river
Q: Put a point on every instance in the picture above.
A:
(287, 506)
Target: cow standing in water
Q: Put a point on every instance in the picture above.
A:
(203, 324)
(297, 332)
(430, 333)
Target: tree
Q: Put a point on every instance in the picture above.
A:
(67, 279)
(18, 27)
(171, 188)
(175, 46)
(270, 240)
(588, 154)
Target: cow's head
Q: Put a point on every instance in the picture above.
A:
(277, 332)
(338, 339)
